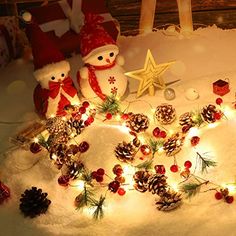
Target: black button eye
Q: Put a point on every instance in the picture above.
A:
(111, 54)
(62, 75)
(100, 58)
(52, 78)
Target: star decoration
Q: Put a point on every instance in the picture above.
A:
(150, 75)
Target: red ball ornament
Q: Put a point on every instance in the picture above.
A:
(83, 147)
(219, 101)
(194, 141)
(217, 116)
(35, 148)
(108, 116)
(218, 195)
(85, 104)
(99, 178)
(4, 192)
(156, 132)
(188, 164)
(100, 171)
(64, 180)
(121, 191)
(174, 168)
(114, 186)
(160, 169)
(163, 134)
(125, 117)
(145, 150)
(229, 199)
(82, 110)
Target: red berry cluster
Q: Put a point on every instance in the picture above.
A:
(98, 175)
(83, 110)
(224, 194)
(158, 133)
(194, 141)
(160, 169)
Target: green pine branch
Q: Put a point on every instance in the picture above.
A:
(86, 176)
(205, 162)
(191, 189)
(155, 145)
(110, 105)
(43, 142)
(98, 204)
(85, 198)
(147, 165)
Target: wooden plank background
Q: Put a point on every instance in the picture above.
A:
(205, 12)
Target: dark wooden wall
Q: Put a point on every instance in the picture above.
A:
(205, 12)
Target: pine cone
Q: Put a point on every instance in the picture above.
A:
(55, 125)
(141, 179)
(208, 113)
(74, 126)
(169, 201)
(59, 154)
(157, 184)
(186, 119)
(165, 114)
(173, 145)
(34, 202)
(125, 152)
(137, 122)
(60, 138)
(74, 169)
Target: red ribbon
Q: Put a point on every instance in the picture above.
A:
(66, 85)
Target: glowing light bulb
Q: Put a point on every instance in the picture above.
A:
(194, 131)
(118, 117)
(54, 157)
(230, 187)
(36, 140)
(79, 185)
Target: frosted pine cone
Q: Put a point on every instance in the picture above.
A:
(55, 125)
(125, 152)
(208, 113)
(74, 126)
(173, 145)
(169, 201)
(74, 169)
(186, 119)
(157, 184)
(137, 122)
(141, 179)
(165, 114)
(58, 153)
(60, 138)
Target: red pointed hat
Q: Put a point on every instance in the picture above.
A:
(93, 37)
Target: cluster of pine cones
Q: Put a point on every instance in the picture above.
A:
(157, 184)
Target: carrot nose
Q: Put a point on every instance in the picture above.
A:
(108, 60)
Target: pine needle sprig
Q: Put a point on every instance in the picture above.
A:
(191, 189)
(86, 176)
(155, 145)
(147, 165)
(98, 204)
(204, 162)
(43, 142)
(110, 105)
(85, 198)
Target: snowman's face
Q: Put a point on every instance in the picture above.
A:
(103, 58)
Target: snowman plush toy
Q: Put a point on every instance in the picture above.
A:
(55, 89)
(102, 74)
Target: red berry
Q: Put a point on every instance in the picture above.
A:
(218, 195)
(85, 104)
(117, 169)
(35, 148)
(217, 116)
(108, 116)
(194, 141)
(162, 134)
(114, 186)
(99, 178)
(94, 174)
(156, 132)
(121, 191)
(64, 180)
(120, 179)
(100, 171)
(229, 199)
(160, 169)
(188, 164)
(83, 147)
(219, 101)
(174, 168)
(125, 116)
(145, 150)
(82, 110)
(119, 172)
(87, 123)
(90, 120)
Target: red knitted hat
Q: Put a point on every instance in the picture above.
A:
(93, 36)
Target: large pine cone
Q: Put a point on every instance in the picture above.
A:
(186, 119)
(74, 169)
(173, 145)
(165, 114)
(208, 113)
(137, 122)
(34, 202)
(169, 201)
(60, 138)
(125, 152)
(59, 153)
(141, 179)
(157, 184)
(74, 126)
(55, 125)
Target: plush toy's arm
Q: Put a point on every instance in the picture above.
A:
(82, 73)
(120, 60)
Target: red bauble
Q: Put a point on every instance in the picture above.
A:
(82, 110)
(174, 168)
(194, 141)
(35, 148)
(100, 171)
(156, 132)
(85, 104)
(121, 191)
(114, 186)
(162, 134)
(217, 116)
(64, 180)
(229, 199)
(145, 150)
(188, 164)
(83, 147)
(218, 195)
(94, 174)
(219, 101)
(99, 178)
(4, 192)
(124, 116)
(160, 169)
(108, 116)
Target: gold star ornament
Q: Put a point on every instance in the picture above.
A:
(150, 75)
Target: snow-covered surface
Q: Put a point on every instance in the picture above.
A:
(206, 57)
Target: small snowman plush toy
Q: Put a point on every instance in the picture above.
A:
(55, 89)
(102, 74)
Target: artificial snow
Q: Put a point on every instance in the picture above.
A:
(207, 56)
